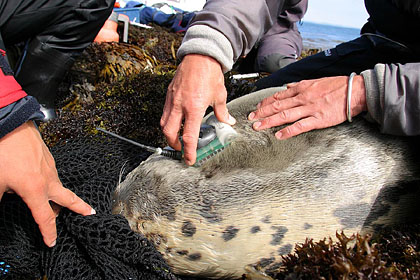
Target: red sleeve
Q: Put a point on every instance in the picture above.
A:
(10, 90)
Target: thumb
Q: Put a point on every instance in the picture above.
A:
(222, 114)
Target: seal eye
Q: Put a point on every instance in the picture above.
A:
(194, 256)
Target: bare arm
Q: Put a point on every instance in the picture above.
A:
(218, 35)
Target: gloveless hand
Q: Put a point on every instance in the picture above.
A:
(198, 84)
(28, 169)
(310, 104)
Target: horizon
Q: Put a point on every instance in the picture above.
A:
(327, 24)
(342, 13)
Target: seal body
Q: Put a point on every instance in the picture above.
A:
(252, 203)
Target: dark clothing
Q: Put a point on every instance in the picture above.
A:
(65, 25)
(354, 56)
(54, 33)
(268, 25)
(272, 17)
(387, 55)
(272, 52)
(282, 44)
(396, 19)
(390, 37)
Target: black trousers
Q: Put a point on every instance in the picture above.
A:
(354, 56)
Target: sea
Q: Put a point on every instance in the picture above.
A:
(324, 36)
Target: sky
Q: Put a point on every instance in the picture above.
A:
(348, 13)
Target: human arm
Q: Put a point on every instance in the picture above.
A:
(310, 104)
(389, 93)
(216, 38)
(393, 97)
(26, 165)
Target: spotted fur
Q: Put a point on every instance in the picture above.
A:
(256, 200)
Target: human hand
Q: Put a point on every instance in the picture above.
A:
(198, 84)
(28, 169)
(310, 104)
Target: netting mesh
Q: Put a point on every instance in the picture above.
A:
(100, 246)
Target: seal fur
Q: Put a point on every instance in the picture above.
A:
(253, 202)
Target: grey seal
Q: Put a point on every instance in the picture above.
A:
(254, 201)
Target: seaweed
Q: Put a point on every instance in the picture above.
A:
(122, 86)
(390, 254)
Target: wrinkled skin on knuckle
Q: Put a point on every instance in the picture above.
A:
(188, 139)
(318, 115)
(283, 115)
(303, 98)
(72, 199)
(287, 131)
(298, 126)
(268, 122)
(166, 131)
(278, 95)
(277, 105)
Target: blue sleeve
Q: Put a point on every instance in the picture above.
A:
(15, 114)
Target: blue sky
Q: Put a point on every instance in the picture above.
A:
(349, 13)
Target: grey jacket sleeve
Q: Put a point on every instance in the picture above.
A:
(227, 30)
(393, 97)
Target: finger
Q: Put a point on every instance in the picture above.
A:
(290, 85)
(45, 218)
(190, 138)
(167, 109)
(283, 117)
(221, 112)
(171, 129)
(274, 108)
(301, 126)
(70, 200)
(55, 207)
(280, 95)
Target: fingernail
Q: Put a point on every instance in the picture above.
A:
(232, 120)
(251, 116)
(92, 212)
(258, 105)
(279, 135)
(53, 243)
(257, 125)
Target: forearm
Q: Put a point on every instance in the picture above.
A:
(393, 98)
(237, 25)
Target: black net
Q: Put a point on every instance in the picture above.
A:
(100, 246)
